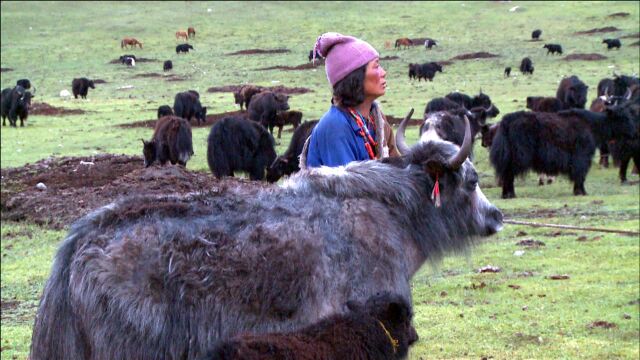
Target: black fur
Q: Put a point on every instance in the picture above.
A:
(187, 106)
(572, 92)
(15, 103)
(171, 141)
(612, 43)
(553, 48)
(168, 65)
(183, 48)
(80, 86)
(289, 162)
(535, 35)
(164, 110)
(265, 106)
(526, 66)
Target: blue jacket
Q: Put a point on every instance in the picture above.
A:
(336, 140)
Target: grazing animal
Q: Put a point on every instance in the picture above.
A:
(544, 104)
(187, 106)
(245, 93)
(622, 83)
(191, 32)
(440, 104)
(289, 162)
(132, 42)
(379, 329)
(480, 100)
(406, 42)
(25, 83)
(507, 71)
(413, 70)
(553, 48)
(166, 277)
(428, 71)
(171, 141)
(318, 56)
(164, 110)
(612, 43)
(80, 86)
(124, 57)
(535, 35)
(15, 103)
(572, 93)
(450, 125)
(627, 147)
(130, 61)
(429, 43)
(168, 65)
(265, 106)
(182, 35)
(183, 48)
(526, 66)
(606, 87)
(238, 144)
(283, 118)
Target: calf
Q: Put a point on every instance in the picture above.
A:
(379, 329)
(187, 106)
(265, 106)
(191, 32)
(535, 35)
(184, 48)
(544, 104)
(553, 48)
(164, 110)
(289, 162)
(168, 65)
(612, 43)
(572, 93)
(80, 86)
(171, 141)
(283, 118)
(15, 104)
(238, 144)
(526, 66)
(429, 43)
(507, 71)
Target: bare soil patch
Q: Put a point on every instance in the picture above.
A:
(211, 119)
(141, 59)
(587, 57)
(146, 75)
(280, 89)
(99, 81)
(393, 57)
(306, 66)
(48, 110)
(637, 43)
(5, 69)
(77, 185)
(631, 36)
(618, 14)
(597, 30)
(476, 55)
(259, 51)
(171, 77)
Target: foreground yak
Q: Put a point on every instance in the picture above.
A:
(166, 277)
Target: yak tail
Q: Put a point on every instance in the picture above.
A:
(55, 331)
(500, 154)
(184, 143)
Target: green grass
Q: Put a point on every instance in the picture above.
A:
(456, 317)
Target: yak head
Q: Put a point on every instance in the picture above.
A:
(282, 101)
(484, 101)
(280, 167)
(91, 84)
(443, 162)
(149, 152)
(237, 96)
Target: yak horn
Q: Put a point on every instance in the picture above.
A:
(400, 142)
(456, 160)
(627, 95)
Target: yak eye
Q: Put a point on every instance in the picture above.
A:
(472, 182)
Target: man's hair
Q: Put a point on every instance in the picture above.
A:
(349, 92)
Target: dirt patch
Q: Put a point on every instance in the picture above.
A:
(99, 81)
(587, 57)
(444, 63)
(476, 55)
(174, 77)
(117, 61)
(147, 75)
(390, 57)
(211, 119)
(48, 110)
(597, 30)
(5, 69)
(602, 324)
(637, 43)
(259, 51)
(618, 14)
(306, 66)
(631, 36)
(280, 89)
(77, 185)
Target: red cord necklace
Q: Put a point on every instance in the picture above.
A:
(369, 143)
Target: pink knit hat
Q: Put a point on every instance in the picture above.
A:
(343, 54)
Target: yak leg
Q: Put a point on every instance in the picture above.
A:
(508, 191)
(604, 155)
(279, 131)
(624, 163)
(4, 121)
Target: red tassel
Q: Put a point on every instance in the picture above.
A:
(435, 195)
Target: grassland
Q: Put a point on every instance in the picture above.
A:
(518, 313)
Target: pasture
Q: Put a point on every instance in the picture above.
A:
(558, 294)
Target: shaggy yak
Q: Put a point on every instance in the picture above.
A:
(167, 277)
(381, 329)
(171, 141)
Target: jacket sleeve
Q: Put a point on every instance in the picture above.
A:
(332, 144)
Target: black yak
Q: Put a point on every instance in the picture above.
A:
(480, 100)
(183, 48)
(238, 144)
(15, 103)
(429, 43)
(124, 57)
(168, 65)
(535, 35)
(187, 106)
(450, 125)
(289, 162)
(526, 66)
(553, 48)
(413, 70)
(245, 93)
(572, 92)
(440, 104)
(380, 329)
(166, 277)
(544, 104)
(164, 110)
(171, 141)
(612, 43)
(606, 87)
(428, 71)
(317, 55)
(507, 71)
(264, 107)
(80, 86)
(25, 83)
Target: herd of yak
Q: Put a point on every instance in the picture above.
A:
(320, 265)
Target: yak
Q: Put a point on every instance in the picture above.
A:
(291, 117)
(429, 43)
(14, 104)
(553, 48)
(191, 31)
(612, 43)
(450, 125)
(507, 71)
(526, 66)
(289, 162)
(535, 35)
(245, 93)
(183, 48)
(167, 277)
(80, 86)
(164, 110)
(440, 104)
(238, 144)
(168, 65)
(572, 93)
(187, 106)
(171, 141)
(480, 100)
(428, 71)
(379, 329)
(544, 104)
(606, 87)
(265, 106)
(25, 83)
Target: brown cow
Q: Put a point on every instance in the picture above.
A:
(182, 34)
(191, 31)
(130, 42)
(406, 42)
